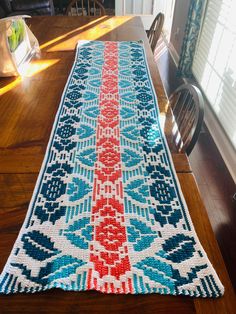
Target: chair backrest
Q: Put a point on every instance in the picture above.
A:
(155, 30)
(187, 104)
(85, 7)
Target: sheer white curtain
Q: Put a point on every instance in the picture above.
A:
(214, 64)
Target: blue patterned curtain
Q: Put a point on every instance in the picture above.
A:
(190, 37)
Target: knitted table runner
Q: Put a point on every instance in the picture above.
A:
(107, 212)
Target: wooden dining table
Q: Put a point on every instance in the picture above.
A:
(27, 110)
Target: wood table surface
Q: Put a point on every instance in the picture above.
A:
(27, 111)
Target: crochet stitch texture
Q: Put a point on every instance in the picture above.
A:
(107, 211)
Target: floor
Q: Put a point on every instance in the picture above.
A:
(214, 180)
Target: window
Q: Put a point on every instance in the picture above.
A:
(214, 65)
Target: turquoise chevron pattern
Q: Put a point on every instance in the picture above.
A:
(107, 213)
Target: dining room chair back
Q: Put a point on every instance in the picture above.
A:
(187, 104)
(85, 7)
(155, 30)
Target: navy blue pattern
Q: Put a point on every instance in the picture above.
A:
(145, 241)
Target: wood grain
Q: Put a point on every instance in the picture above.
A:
(208, 166)
(28, 105)
(197, 210)
(12, 212)
(91, 302)
(27, 111)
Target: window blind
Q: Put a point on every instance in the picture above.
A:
(214, 65)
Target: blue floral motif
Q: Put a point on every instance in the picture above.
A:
(73, 104)
(124, 84)
(178, 248)
(38, 246)
(136, 54)
(131, 158)
(74, 95)
(53, 188)
(59, 169)
(81, 69)
(144, 97)
(67, 119)
(162, 191)
(52, 211)
(85, 131)
(166, 274)
(87, 157)
(66, 145)
(86, 53)
(127, 113)
(93, 71)
(60, 267)
(137, 190)
(140, 234)
(151, 134)
(166, 214)
(79, 233)
(130, 132)
(66, 131)
(150, 245)
(77, 189)
(89, 96)
(91, 112)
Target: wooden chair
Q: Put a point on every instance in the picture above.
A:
(85, 7)
(155, 30)
(188, 108)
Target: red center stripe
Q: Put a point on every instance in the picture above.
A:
(109, 251)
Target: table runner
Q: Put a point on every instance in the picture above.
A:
(107, 212)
